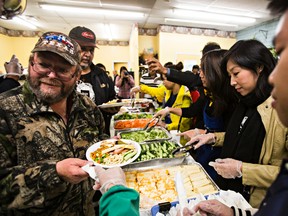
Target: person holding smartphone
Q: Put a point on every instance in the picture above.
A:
(124, 82)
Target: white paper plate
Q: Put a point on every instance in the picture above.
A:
(95, 146)
(137, 101)
(111, 105)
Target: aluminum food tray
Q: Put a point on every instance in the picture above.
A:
(138, 113)
(163, 163)
(155, 163)
(167, 162)
(130, 120)
(146, 141)
(159, 161)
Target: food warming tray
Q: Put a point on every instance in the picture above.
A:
(154, 180)
(139, 139)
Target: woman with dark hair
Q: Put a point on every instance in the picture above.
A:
(255, 141)
(218, 108)
(215, 104)
(217, 83)
(124, 82)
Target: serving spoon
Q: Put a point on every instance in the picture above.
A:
(181, 151)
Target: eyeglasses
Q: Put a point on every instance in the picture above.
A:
(44, 69)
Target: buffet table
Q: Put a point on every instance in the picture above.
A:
(153, 173)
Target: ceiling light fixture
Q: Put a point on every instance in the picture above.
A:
(207, 16)
(71, 9)
(22, 21)
(125, 6)
(199, 22)
(218, 10)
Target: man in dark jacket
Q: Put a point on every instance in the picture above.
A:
(93, 81)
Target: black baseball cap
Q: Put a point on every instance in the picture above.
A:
(83, 36)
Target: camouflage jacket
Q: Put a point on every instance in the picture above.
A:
(32, 139)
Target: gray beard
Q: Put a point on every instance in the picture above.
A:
(48, 98)
(83, 67)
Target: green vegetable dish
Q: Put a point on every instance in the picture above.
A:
(142, 136)
(127, 116)
(156, 150)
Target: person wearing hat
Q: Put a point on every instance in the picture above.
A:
(46, 128)
(93, 81)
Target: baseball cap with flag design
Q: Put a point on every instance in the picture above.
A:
(60, 44)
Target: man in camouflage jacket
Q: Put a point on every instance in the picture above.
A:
(45, 129)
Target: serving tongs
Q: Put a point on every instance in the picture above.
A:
(181, 151)
(132, 97)
(151, 124)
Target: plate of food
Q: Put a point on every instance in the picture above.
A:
(113, 152)
(111, 104)
(137, 100)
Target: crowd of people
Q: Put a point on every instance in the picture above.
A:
(234, 109)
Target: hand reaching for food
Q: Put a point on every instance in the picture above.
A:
(134, 90)
(202, 139)
(162, 113)
(188, 135)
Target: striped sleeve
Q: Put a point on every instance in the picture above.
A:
(241, 212)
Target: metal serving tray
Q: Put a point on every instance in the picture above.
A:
(155, 150)
(129, 113)
(151, 140)
(166, 162)
(152, 167)
(155, 163)
(130, 124)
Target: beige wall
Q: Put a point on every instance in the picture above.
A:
(180, 47)
(118, 65)
(176, 47)
(170, 47)
(147, 42)
(107, 55)
(133, 50)
(20, 46)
